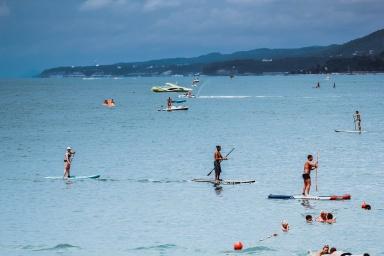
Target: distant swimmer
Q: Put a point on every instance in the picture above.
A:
(323, 251)
(308, 218)
(217, 163)
(309, 165)
(322, 217)
(357, 120)
(318, 85)
(69, 154)
(109, 103)
(169, 103)
(284, 226)
(326, 217)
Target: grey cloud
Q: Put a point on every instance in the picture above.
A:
(78, 32)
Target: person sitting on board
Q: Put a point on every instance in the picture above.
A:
(308, 167)
(217, 163)
(284, 226)
(357, 120)
(169, 103)
(67, 162)
(308, 218)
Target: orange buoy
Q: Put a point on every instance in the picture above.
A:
(238, 246)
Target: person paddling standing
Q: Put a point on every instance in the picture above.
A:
(169, 103)
(357, 120)
(217, 163)
(309, 165)
(67, 162)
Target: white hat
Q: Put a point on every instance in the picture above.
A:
(69, 148)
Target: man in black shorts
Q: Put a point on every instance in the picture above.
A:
(218, 158)
(308, 167)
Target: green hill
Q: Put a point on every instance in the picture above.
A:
(367, 50)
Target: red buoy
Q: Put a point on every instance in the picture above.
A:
(363, 205)
(238, 246)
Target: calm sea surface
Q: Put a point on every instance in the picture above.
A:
(145, 204)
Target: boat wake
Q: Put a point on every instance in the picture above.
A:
(237, 96)
(58, 247)
(223, 97)
(159, 181)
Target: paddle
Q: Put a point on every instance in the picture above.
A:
(317, 163)
(220, 161)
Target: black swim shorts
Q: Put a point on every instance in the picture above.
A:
(306, 176)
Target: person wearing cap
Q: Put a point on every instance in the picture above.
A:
(217, 163)
(67, 162)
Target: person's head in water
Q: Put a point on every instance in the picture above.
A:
(329, 216)
(310, 157)
(333, 249)
(308, 218)
(218, 147)
(367, 207)
(323, 215)
(325, 249)
(284, 226)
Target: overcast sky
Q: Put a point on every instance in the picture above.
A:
(37, 34)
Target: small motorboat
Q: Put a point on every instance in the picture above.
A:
(169, 87)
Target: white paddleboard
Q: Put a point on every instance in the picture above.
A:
(174, 108)
(350, 131)
(72, 177)
(224, 182)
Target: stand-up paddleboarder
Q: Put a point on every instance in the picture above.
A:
(217, 163)
(309, 165)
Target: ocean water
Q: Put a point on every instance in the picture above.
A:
(145, 204)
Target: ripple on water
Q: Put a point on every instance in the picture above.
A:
(57, 247)
(161, 247)
(253, 250)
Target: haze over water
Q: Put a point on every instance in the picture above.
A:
(144, 202)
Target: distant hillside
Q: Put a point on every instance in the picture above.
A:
(306, 59)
